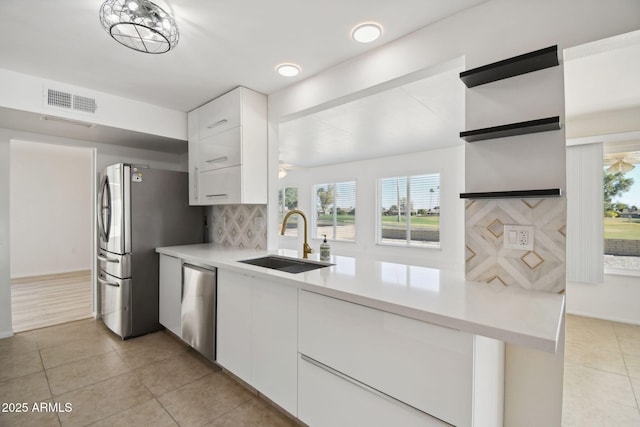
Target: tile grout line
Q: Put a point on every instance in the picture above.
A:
(174, 389)
(46, 376)
(624, 361)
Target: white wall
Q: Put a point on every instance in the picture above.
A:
(489, 32)
(105, 155)
(449, 163)
(5, 265)
(50, 204)
(24, 92)
(615, 299)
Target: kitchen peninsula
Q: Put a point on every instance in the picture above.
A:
(417, 344)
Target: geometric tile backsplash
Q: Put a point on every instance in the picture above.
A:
(486, 260)
(239, 226)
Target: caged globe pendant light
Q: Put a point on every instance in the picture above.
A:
(140, 25)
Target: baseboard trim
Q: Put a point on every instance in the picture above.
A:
(609, 318)
(52, 274)
(6, 334)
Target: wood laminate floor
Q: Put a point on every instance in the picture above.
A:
(53, 299)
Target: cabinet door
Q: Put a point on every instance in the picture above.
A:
(222, 186)
(170, 293)
(274, 342)
(329, 399)
(233, 334)
(220, 114)
(194, 139)
(221, 150)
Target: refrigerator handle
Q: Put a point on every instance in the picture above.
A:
(104, 228)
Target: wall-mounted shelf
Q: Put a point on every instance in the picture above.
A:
(521, 64)
(512, 129)
(515, 194)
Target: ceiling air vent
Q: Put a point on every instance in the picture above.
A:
(69, 101)
(56, 98)
(84, 104)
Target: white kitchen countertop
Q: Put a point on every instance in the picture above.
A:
(445, 298)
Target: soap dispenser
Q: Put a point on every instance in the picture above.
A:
(325, 250)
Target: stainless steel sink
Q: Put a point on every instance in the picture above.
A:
(290, 265)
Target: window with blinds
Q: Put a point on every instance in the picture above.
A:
(335, 215)
(287, 201)
(409, 211)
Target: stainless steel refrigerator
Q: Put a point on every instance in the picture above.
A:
(139, 209)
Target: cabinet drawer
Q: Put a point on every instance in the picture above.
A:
(220, 114)
(220, 150)
(221, 186)
(327, 398)
(426, 366)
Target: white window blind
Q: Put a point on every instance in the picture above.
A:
(335, 211)
(409, 210)
(585, 242)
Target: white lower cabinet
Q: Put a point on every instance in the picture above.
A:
(257, 335)
(233, 327)
(170, 291)
(439, 371)
(330, 399)
(274, 342)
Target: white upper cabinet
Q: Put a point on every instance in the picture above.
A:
(228, 150)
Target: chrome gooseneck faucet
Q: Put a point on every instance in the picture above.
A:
(306, 249)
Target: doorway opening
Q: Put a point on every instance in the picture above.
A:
(51, 234)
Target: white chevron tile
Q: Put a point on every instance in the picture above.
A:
(493, 262)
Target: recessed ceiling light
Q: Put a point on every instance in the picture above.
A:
(288, 69)
(366, 32)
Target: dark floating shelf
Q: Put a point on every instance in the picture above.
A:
(521, 64)
(512, 129)
(516, 194)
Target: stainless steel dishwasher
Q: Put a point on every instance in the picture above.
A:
(198, 310)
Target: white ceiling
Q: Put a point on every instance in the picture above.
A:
(603, 75)
(422, 115)
(223, 43)
(602, 80)
(226, 43)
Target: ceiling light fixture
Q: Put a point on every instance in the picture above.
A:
(366, 32)
(288, 69)
(140, 25)
(620, 166)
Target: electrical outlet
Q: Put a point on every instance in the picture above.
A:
(518, 237)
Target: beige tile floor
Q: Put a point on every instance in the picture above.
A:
(153, 380)
(157, 381)
(601, 374)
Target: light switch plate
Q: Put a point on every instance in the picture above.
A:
(518, 237)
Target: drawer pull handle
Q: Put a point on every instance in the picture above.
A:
(216, 124)
(363, 386)
(196, 178)
(219, 159)
(217, 195)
